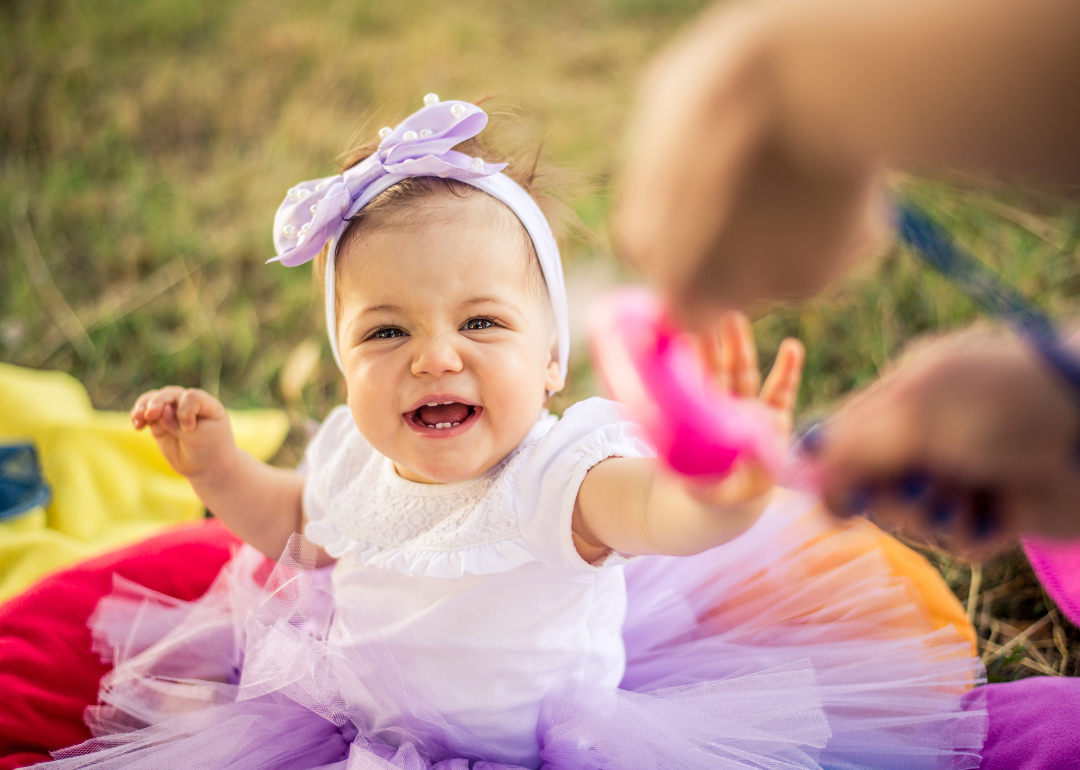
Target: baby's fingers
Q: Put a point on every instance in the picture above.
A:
(781, 387)
(167, 423)
(138, 411)
(712, 354)
(174, 409)
(158, 400)
(151, 405)
(194, 404)
(738, 355)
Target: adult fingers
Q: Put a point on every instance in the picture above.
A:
(972, 521)
(866, 448)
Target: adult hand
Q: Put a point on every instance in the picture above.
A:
(754, 170)
(973, 437)
(718, 205)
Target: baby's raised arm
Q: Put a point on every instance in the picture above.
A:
(636, 506)
(258, 502)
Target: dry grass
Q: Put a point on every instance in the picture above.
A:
(1021, 632)
(144, 147)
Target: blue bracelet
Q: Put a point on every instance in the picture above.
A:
(983, 286)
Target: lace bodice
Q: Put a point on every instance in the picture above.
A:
(393, 521)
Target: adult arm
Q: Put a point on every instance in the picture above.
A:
(755, 170)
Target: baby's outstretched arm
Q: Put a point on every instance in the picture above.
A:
(636, 506)
(258, 502)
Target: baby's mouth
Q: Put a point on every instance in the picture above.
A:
(448, 414)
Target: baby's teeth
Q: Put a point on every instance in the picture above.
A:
(455, 424)
(432, 404)
(441, 425)
(447, 402)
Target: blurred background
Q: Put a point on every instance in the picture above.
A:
(144, 147)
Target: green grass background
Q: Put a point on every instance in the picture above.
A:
(145, 145)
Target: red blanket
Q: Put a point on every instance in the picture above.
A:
(48, 674)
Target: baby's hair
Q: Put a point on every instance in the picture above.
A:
(402, 204)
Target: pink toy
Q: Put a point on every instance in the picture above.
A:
(654, 369)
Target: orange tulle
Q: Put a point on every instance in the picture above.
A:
(839, 542)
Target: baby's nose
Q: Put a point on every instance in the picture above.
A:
(435, 356)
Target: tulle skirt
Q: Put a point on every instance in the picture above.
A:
(795, 646)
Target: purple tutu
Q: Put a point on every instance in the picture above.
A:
(795, 646)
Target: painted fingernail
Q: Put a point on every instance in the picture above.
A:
(985, 520)
(941, 511)
(812, 439)
(912, 486)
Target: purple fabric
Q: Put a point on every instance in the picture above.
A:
(313, 212)
(1058, 567)
(1034, 725)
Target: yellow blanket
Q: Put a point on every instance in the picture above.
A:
(111, 486)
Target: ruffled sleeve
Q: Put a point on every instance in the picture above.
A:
(323, 446)
(589, 432)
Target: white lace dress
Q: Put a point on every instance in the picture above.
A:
(475, 586)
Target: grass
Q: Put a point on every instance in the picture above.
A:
(144, 147)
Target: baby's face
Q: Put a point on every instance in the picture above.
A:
(447, 351)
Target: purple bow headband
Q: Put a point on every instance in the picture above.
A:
(319, 210)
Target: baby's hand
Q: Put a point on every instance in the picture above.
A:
(730, 355)
(191, 427)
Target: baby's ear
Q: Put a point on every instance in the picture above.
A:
(553, 378)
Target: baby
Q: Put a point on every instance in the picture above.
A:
(481, 532)
(480, 605)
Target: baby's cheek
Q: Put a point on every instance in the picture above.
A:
(518, 382)
(374, 415)
(518, 403)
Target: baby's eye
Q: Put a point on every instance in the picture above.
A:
(388, 333)
(477, 324)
